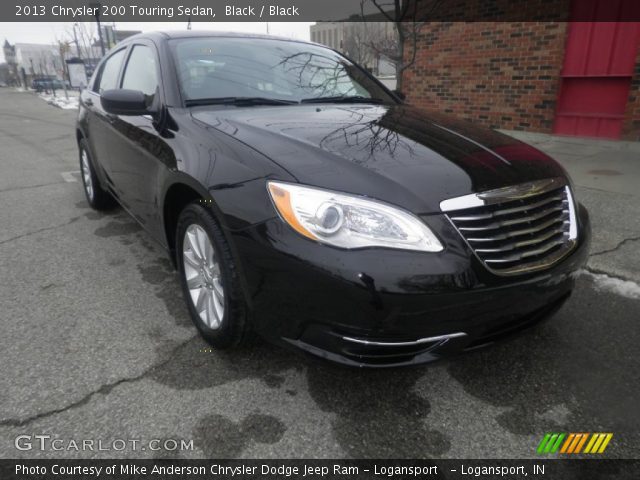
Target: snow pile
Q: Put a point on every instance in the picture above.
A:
(68, 104)
(60, 100)
(624, 288)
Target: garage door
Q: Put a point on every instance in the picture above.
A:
(597, 71)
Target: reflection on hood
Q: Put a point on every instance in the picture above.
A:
(416, 158)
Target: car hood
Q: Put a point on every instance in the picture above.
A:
(397, 154)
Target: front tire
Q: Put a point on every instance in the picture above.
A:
(97, 197)
(209, 279)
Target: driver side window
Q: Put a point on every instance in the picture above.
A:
(140, 72)
(108, 79)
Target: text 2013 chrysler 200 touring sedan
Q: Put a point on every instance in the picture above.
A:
(302, 200)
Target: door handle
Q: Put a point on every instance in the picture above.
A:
(88, 102)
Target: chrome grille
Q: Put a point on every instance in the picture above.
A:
(517, 229)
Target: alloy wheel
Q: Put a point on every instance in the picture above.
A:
(203, 276)
(86, 175)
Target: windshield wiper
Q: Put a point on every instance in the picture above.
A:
(239, 101)
(342, 99)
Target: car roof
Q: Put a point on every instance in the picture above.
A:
(174, 34)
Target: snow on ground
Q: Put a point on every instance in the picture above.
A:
(604, 282)
(60, 100)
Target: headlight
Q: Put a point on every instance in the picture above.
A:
(348, 221)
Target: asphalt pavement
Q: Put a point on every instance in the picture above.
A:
(96, 342)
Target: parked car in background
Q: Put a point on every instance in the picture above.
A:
(39, 84)
(48, 83)
(300, 199)
(61, 84)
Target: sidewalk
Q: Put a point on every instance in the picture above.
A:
(612, 166)
(607, 178)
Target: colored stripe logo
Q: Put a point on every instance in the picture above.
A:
(571, 443)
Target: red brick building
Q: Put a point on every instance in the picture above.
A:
(565, 77)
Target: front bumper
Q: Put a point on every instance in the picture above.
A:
(383, 307)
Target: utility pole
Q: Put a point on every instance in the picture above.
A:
(53, 84)
(75, 38)
(100, 34)
(98, 7)
(33, 73)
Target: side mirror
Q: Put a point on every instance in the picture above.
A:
(125, 102)
(399, 94)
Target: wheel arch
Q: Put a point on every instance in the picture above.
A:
(182, 192)
(178, 195)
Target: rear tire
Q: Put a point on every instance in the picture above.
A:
(209, 279)
(97, 197)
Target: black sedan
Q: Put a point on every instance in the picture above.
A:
(302, 200)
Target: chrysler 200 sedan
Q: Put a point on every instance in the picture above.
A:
(302, 200)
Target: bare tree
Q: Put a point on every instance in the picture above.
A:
(319, 75)
(372, 134)
(85, 36)
(63, 46)
(358, 38)
(408, 17)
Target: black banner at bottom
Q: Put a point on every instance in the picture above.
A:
(65, 469)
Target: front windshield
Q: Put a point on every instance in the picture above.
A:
(221, 67)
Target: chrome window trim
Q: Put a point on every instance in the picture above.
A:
(517, 192)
